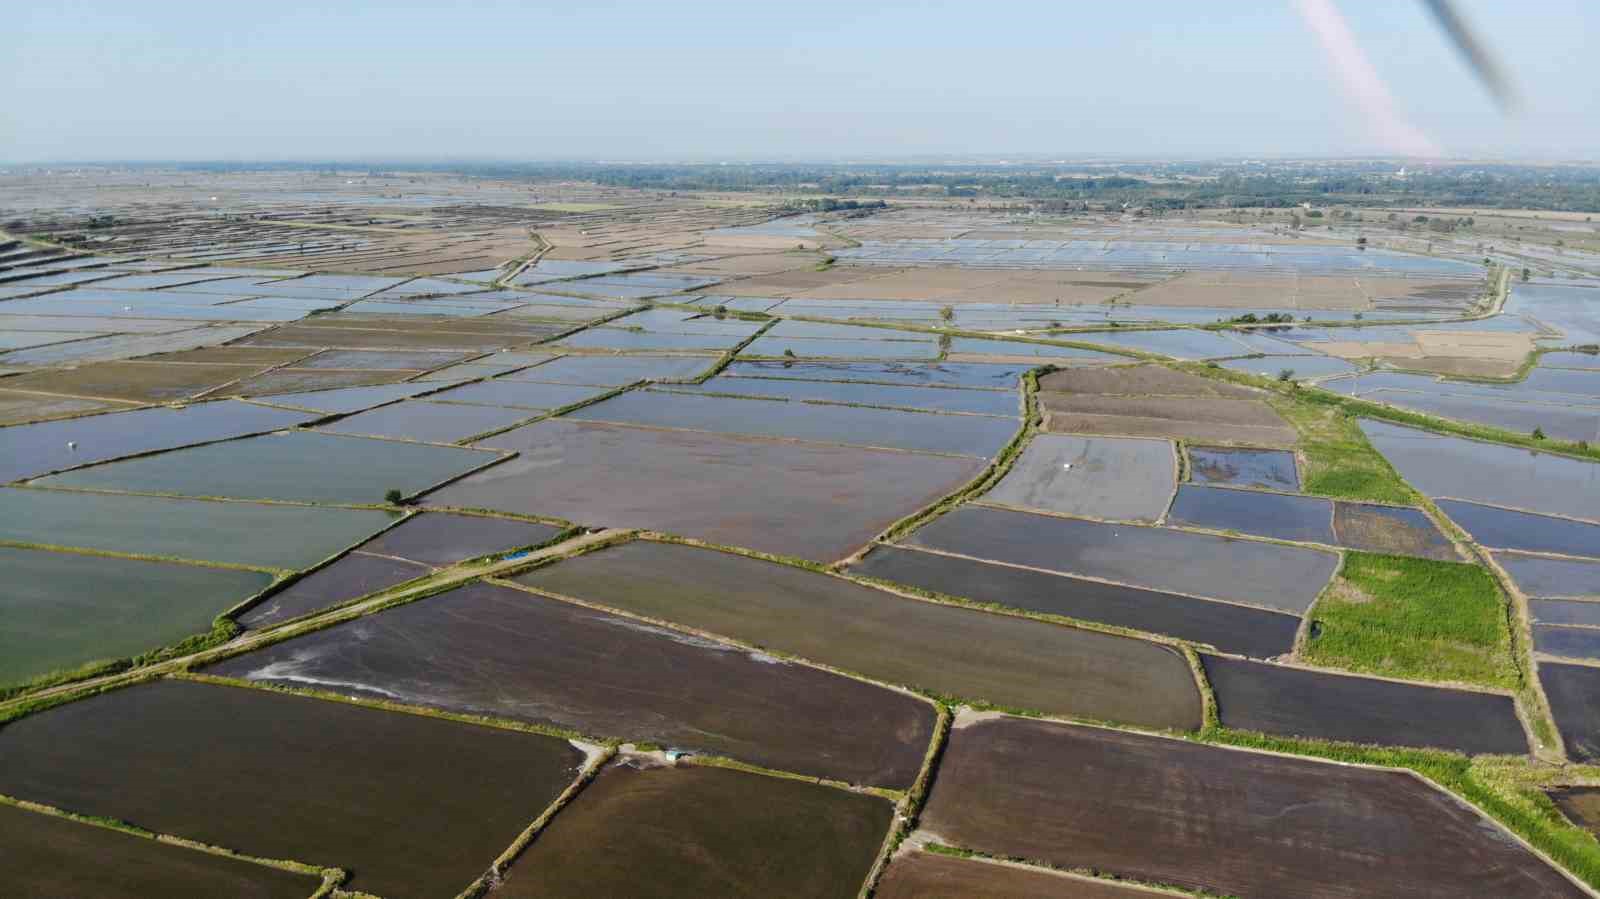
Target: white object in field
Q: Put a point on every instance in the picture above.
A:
(1066, 465)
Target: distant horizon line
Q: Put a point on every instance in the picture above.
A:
(929, 159)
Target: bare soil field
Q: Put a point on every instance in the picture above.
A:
(950, 651)
(919, 874)
(1224, 820)
(1210, 420)
(325, 783)
(693, 832)
(939, 284)
(492, 650)
(809, 500)
(1387, 529)
(1298, 703)
(1228, 627)
(136, 381)
(18, 406)
(1241, 290)
(1140, 380)
(50, 857)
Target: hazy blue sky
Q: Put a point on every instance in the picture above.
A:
(822, 79)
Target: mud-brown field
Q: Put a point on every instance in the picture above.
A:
(951, 651)
(1224, 820)
(413, 806)
(919, 874)
(493, 650)
(695, 832)
(49, 857)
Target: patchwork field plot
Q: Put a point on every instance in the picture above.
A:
(360, 775)
(808, 500)
(1225, 820)
(504, 652)
(1298, 703)
(27, 451)
(65, 610)
(436, 534)
(1228, 627)
(950, 651)
(50, 857)
(919, 874)
(1122, 479)
(296, 466)
(1285, 578)
(698, 831)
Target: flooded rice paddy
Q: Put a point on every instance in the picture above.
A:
(1298, 703)
(1547, 577)
(238, 533)
(930, 399)
(813, 501)
(30, 450)
(440, 538)
(429, 422)
(348, 577)
(1281, 516)
(63, 610)
(1455, 467)
(1228, 627)
(299, 466)
(1123, 479)
(1238, 467)
(969, 435)
(1506, 529)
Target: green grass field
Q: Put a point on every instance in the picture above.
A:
(1413, 618)
(1340, 463)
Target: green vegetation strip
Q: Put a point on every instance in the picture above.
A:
(1340, 463)
(1414, 618)
(1507, 789)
